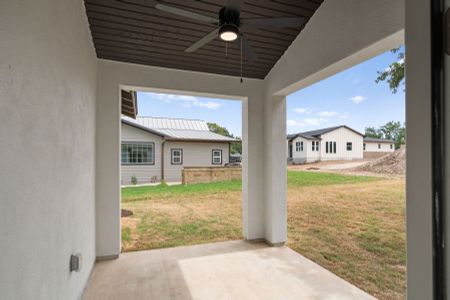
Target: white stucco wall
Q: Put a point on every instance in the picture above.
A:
(384, 147)
(341, 136)
(195, 154)
(143, 173)
(113, 76)
(47, 162)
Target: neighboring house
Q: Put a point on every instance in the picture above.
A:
(155, 149)
(334, 143)
(374, 147)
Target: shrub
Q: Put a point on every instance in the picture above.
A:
(134, 180)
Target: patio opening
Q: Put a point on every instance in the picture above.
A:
(345, 150)
(181, 174)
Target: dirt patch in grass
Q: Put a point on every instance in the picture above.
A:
(353, 226)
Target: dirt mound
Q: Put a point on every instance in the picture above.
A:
(393, 163)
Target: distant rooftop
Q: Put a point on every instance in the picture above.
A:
(177, 128)
(377, 140)
(316, 134)
(172, 123)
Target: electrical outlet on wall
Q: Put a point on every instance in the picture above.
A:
(75, 262)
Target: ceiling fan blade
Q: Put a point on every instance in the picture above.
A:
(272, 22)
(247, 49)
(187, 14)
(203, 41)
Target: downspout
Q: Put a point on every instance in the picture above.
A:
(162, 159)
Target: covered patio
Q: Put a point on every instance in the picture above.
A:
(64, 64)
(227, 270)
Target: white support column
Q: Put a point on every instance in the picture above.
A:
(418, 155)
(107, 209)
(275, 174)
(252, 168)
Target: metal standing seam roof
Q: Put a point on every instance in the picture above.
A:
(177, 129)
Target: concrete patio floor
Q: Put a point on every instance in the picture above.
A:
(227, 270)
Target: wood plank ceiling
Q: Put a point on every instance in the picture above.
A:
(134, 31)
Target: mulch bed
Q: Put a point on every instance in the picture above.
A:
(126, 213)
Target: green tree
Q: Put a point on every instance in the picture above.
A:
(394, 74)
(390, 131)
(373, 133)
(236, 147)
(394, 131)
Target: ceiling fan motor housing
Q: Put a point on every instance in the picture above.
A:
(229, 19)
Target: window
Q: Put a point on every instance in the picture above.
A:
(299, 146)
(379, 146)
(315, 146)
(176, 156)
(330, 147)
(217, 157)
(349, 146)
(391, 146)
(138, 153)
(364, 146)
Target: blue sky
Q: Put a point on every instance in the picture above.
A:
(351, 97)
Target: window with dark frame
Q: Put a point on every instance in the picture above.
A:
(176, 156)
(391, 146)
(330, 147)
(137, 153)
(217, 157)
(379, 146)
(349, 146)
(301, 146)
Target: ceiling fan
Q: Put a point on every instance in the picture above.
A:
(229, 25)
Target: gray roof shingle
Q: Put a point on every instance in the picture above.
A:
(316, 134)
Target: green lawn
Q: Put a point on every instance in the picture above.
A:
(295, 179)
(353, 226)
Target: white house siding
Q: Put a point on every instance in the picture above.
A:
(299, 156)
(341, 136)
(312, 156)
(195, 154)
(143, 173)
(384, 147)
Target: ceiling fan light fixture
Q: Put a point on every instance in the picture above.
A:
(228, 33)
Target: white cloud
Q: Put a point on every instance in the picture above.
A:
(292, 123)
(357, 99)
(306, 122)
(315, 121)
(188, 101)
(301, 110)
(327, 114)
